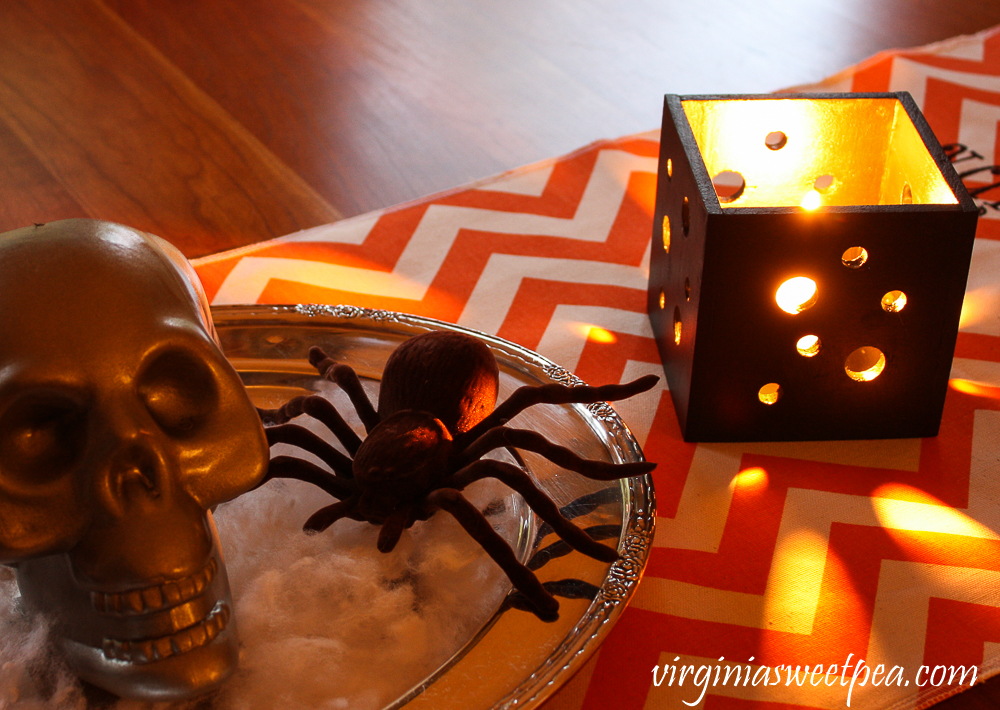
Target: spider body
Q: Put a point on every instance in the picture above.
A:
(404, 457)
(401, 461)
(436, 418)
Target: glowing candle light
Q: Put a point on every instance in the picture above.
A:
(817, 247)
(811, 200)
(796, 295)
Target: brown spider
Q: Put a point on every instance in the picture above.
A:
(434, 422)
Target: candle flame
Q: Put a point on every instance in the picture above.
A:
(811, 200)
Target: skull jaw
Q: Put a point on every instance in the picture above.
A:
(179, 677)
(196, 640)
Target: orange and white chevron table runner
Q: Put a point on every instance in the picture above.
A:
(768, 556)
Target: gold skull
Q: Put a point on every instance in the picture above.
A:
(122, 425)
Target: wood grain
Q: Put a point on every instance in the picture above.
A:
(30, 193)
(380, 102)
(131, 139)
(223, 122)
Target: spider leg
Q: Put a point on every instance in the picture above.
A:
(529, 395)
(347, 378)
(318, 408)
(392, 529)
(291, 467)
(325, 517)
(451, 501)
(301, 437)
(547, 510)
(290, 409)
(501, 437)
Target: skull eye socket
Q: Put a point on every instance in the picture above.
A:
(41, 437)
(179, 391)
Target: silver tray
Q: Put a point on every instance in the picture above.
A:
(512, 659)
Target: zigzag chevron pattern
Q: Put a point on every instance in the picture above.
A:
(794, 554)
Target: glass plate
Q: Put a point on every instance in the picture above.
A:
(511, 659)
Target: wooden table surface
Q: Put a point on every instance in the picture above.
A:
(217, 123)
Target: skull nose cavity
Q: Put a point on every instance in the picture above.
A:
(156, 597)
(137, 471)
(142, 476)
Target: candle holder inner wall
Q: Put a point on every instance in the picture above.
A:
(809, 261)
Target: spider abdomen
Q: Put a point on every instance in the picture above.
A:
(451, 375)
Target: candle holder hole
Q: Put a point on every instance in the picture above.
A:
(893, 302)
(796, 295)
(865, 364)
(775, 140)
(670, 169)
(666, 234)
(906, 196)
(769, 393)
(823, 183)
(729, 185)
(663, 300)
(687, 289)
(854, 258)
(808, 345)
(677, 325)
(686, 216)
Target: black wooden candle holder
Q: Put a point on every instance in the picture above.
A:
(809, 261)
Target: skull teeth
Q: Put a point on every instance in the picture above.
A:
(149, 650)
(152, 598)
(133, 603)
(142, 601)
